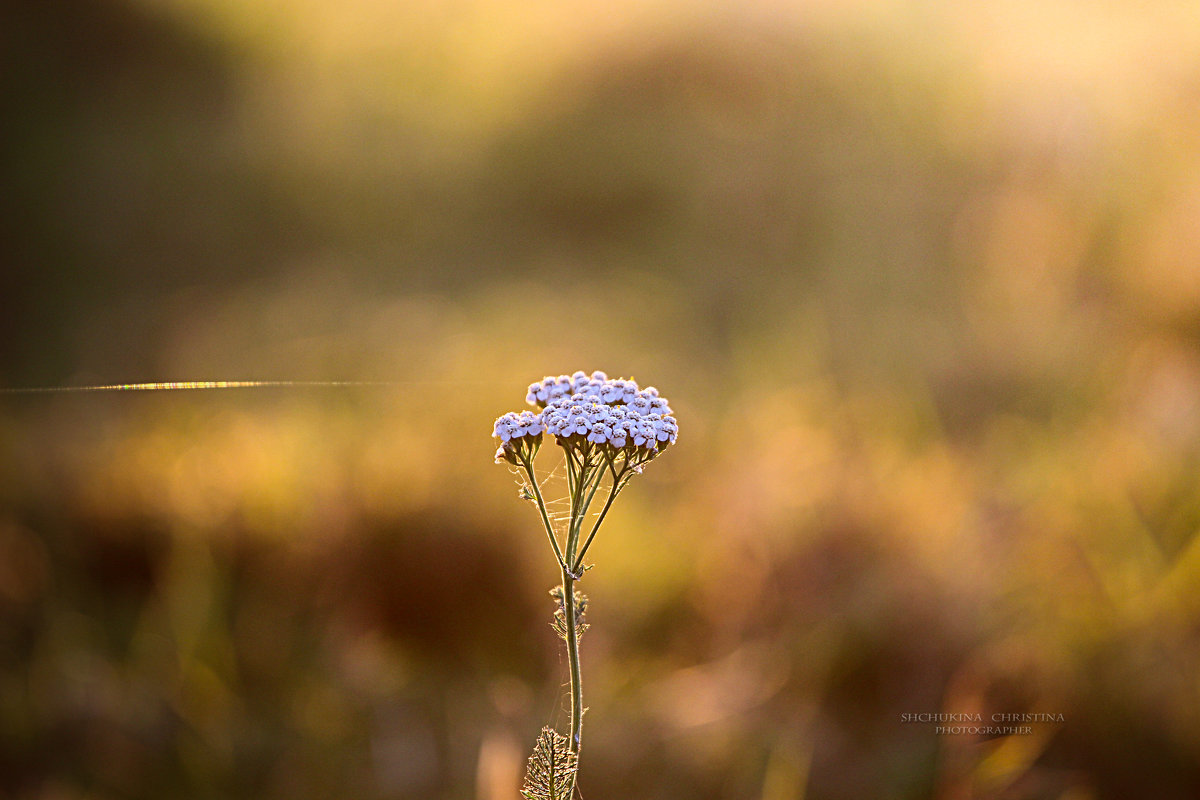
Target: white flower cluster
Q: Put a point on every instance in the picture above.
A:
(582, 410)
(620, 425)
(550, 388)
(520, 436)
(513, 425)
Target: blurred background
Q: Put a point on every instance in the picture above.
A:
(921, 280)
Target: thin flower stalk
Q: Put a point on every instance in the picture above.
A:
(605, 427)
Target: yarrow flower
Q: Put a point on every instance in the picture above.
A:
(609, 429)
(552, 388)
(610, 418)
(520, 436)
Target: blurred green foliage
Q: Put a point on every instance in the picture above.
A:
(920, 281)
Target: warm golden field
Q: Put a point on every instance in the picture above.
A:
(922, 282)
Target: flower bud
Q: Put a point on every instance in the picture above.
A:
(506, 453)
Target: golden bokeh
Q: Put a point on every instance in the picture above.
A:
(922, 283)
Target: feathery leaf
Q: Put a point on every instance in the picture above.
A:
(551, 772)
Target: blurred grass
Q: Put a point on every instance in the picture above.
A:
(920, 282)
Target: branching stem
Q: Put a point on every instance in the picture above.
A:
(527, 463)
(577, 564)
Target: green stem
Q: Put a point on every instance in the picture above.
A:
(594, 479)
(572, 636)
(577, 564)
(570, 472)
(541, 504)
(579, 487)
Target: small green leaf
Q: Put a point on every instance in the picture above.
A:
(560, 614)
(551, 771)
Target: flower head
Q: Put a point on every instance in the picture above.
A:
(520, 435)
(552, 388)
(598, 416)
